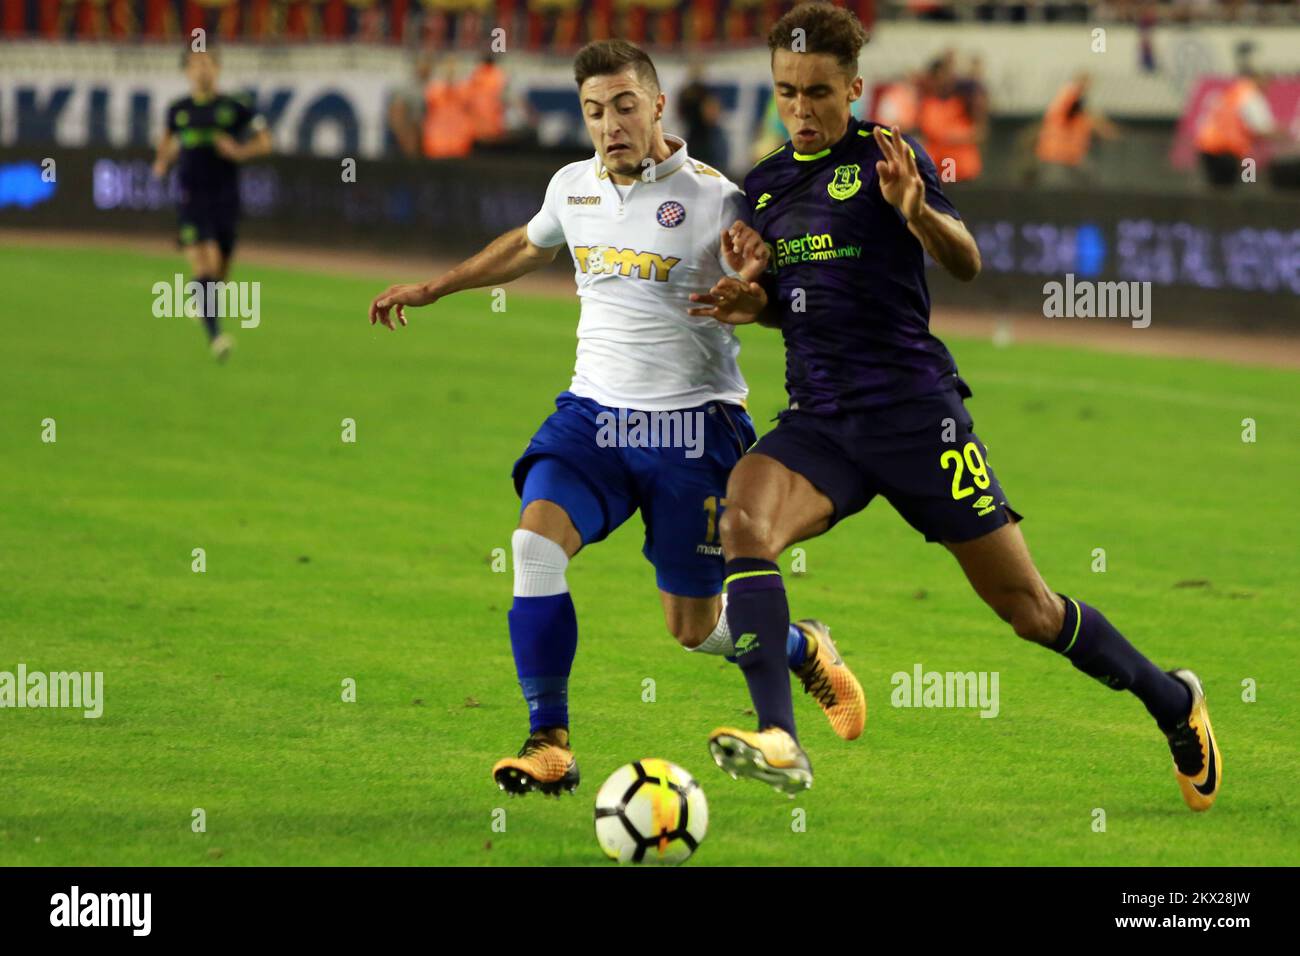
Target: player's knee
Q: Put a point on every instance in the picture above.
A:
(531, 538)
(1032, 616)
(549, 520)
(747, 535)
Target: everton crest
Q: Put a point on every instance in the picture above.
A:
(846, 182)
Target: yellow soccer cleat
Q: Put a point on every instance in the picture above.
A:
(544, 763)
(1198, 762)
(828, 679)
(771, 756)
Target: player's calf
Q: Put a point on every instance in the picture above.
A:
(1000, 570)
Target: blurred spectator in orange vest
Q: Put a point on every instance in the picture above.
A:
(1065, 136)
(448, 115)
(487, 94)
(1231, 128)
(406, 109)
(952, 124)
(900, 103)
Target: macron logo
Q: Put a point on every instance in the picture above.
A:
(102, 909)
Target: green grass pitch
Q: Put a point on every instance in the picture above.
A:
(372, 561)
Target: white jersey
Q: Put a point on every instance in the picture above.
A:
(638, 252)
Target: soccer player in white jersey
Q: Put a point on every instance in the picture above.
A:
(654, 418)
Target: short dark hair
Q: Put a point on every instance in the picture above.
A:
(604, 57)
(826, 29)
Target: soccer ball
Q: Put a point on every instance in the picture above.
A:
(651, 811)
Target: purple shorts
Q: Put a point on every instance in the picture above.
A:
(921, 455)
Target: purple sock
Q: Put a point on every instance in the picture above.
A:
(759, 619)
(1092, 644)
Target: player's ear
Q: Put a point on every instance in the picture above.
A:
(855, 89)
(660, 101)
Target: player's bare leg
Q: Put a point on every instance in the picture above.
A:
(694, 620)
(1001, 571)
(542, 617)
(208, 265)
(769, 507)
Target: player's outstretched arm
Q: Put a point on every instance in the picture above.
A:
(946, 239)
(505, 258)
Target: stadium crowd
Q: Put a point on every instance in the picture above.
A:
(557, 24)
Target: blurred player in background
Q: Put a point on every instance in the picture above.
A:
(876, 408)
(642, 221)
(209, 134)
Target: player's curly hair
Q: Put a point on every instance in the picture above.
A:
(825, 28)
(603, 57)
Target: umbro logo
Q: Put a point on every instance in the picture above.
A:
(983, 504)
(762, 201)
(746, 642)
(584, 200)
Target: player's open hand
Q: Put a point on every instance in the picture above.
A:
(744, 250)
(393, 301)
(731, 301)
(900, 181)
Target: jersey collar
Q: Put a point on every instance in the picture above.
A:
(849, 133)
(662, 170)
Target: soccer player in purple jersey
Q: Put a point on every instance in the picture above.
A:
(848, 210)
(209, 134)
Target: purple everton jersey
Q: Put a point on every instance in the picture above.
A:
(847, 277)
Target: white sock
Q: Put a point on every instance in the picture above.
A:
(539, 565)
(719, 642)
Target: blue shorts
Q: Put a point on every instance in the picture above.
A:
(601, 464)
